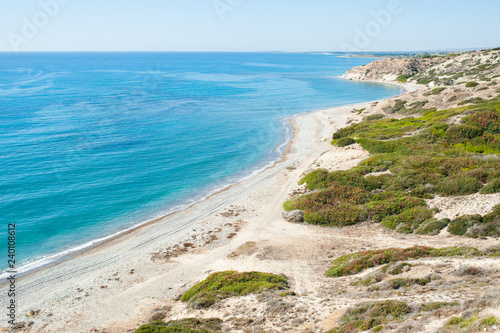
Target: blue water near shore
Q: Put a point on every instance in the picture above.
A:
(94, 143)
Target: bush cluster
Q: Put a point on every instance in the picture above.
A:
(369, 315)
(438, 160)
(471, 84)
(226, 284)
(344, 142)
(357, 262)
(476, 226)
(189, 325)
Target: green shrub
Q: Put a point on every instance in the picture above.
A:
(493, 216)
(398, 106)
(381, 147)
(226, 284)
(460, 225)
(341, 215)
(473, 100)
(374, 117)
(490, 321)
(321, 179)
(438, 160)
(471, 84)
(343, 132)
(403, 283)
(316, 179)
(391, 203)
(460, 184)
(357, 262)
(438, 305)
(190, 325)
(331, 197)
(344, 142)
(366, 316)
(437, 91)
(426, 80)
(476, 226)
(289, 205)
(408, 220)
(492, 187)
(403, 78)
(432, 226)
(464, 131)
(487, 120)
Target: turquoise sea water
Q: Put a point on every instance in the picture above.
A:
(94, 143)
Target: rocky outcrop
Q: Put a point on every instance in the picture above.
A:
(296, 216)
(391, 69)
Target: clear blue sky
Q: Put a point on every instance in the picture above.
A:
(246, 25)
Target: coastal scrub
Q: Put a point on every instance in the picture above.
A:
(226, 284)
(189, 325)
(357, 262)
(421, 157)
(366, 316)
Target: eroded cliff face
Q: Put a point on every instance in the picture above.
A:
(433, 71)
(391, 69)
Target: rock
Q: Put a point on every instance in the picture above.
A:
(296, 216)
(297, 321)
(157, 315)
(429, 187)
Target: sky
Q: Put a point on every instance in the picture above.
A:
(248, 25)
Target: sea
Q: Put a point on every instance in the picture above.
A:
(92, 144)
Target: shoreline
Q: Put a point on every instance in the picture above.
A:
(91, 264)
(283, 149)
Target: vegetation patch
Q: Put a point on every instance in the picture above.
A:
(476, 226)
(344, 142)
(226, 284)
(428, 307)
(189, 325)
(407, 221)
(425, 156)
(403, 283)
(374, 315)
(432, 226)
(366, 316)
(403, 78)
(357, 262)
(492, 187)
(469, 324)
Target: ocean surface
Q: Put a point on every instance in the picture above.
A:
(94, 143)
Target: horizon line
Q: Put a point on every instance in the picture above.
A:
(263, 51)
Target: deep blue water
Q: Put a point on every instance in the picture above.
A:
(93, 143)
